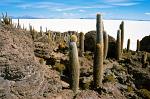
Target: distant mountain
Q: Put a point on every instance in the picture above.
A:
(32, 17)
(26, 17)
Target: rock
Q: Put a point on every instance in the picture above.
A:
(144, 44)
(42, 50)
(90, 39)
(112, 90)
(88, 94)
(89, 42)
(21, 75)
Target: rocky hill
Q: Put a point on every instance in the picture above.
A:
(37, 69)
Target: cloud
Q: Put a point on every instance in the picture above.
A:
(147, 13)
(11, 1)
(60, 7)
(82, 11)
(112, 1)
(126, 4)
(123, 2)
(68, 8)
(40, 5)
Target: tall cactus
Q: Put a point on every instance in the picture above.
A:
(18, 25)
(118, 47)
(144, 58)
(6, 20)
(75, 66)
(122, 35)
(128, 45)
(30, 28)
(138, 46)
(81, 47)
(105, 44)
(49, 37)
(23, 27)
(41, 31)
(98, 55)
(46, 30)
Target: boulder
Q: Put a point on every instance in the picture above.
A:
(145, 44)
(90, 40)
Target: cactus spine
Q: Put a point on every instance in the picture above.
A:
(105, 44)
(75, 67)
(118, 47)
(122, 35)
(98, 55)
(81, 44)
(128, 45)
(138, 46)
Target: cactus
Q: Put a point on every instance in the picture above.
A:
(81, 44)
(73, 38)
(99, 29)
(46, 30)
(105, 44)
(118, 47)
(98, 55)
(144, 58)
(49, 37)
(30, 28)
(128, 45)
(41, 31)
(33, 34)
(23, 27)
(18, 25)
(74, 66)
(98, 65)
(138, 46)
(122, 35)
(6, 20)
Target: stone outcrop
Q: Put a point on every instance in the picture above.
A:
(145, 44)
(90, 41)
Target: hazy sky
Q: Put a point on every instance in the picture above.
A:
(111, 9)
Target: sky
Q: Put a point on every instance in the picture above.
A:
(110, 9)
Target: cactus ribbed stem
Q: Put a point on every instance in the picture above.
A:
(105, 44)
(122, 35)
(40, 29)
(23, 27)
(75, 67)
(144, 58)
(128, 45)
(99, 29)
(18, 25)
(49, 37)
(138, 46)
(98, 66)
(98, 55)
(81, 47)
(118, 47)
(46, 30)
